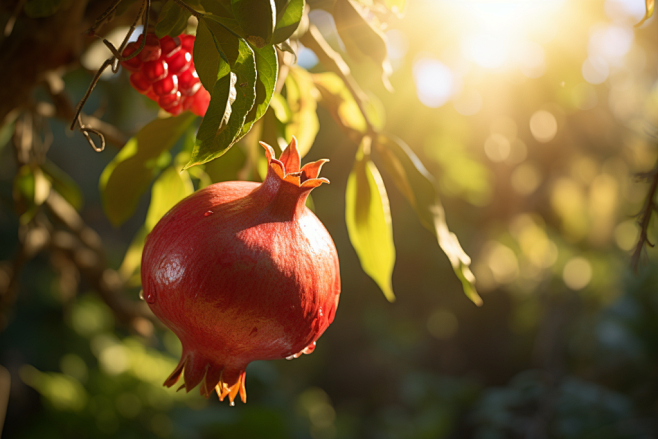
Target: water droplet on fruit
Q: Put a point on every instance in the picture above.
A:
(208, 213)
(141, 294)
(320, 312)
(232, 404)
(150, 295)
(291, 357)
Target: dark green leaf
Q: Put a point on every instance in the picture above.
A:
(171, 18)
(304, 123)
(206, 56)
(256, 18)
(267, 69)
(63, 184)
(368, 219)
(417, 185)
(220, 12)
(42, 8)
(128, 175)
(288, 20)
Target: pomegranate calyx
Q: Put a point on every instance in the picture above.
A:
(287, 166)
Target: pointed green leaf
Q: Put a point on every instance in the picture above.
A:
(288, 20)
(128, 175)
(256, 18)
(417, 185)
(232, 98)
(206, 56)
(267, 69)
(368, 219)
(170, 20)
(304, 124)
(220, 12)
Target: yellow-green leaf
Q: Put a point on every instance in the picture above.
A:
(304, 124)
(168, 189)
(417, 185)
(129, 174)
(368, 219)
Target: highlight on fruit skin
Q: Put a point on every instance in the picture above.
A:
(243, 271)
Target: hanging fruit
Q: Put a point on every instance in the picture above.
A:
(243, 271)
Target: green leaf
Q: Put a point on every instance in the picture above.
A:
(206, 56)
(168, 189)
(362, 37)
(267, 70)
(650, 5)
(288, 20)
(256, 18)
(128, 175)
(368, 219)
(231, 100)
(31, 188)
(170, 20)
(63, 184)
(42, 8)
(340, 102)
(417, 185)
(220, 12)
(304, 124)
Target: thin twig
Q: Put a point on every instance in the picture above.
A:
(644, 220)
(112, 62)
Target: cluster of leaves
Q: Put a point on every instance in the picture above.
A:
(239, 56)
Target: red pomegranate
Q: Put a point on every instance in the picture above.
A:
(243, 271)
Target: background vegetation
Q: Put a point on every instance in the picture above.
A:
(537, 122)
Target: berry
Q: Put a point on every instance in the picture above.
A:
(242, 271)
(164, 71)
(140, 82)
(151, 50)
(165, 86)
(155, 70)
(179, 61)
(132, 64)
(167, 102)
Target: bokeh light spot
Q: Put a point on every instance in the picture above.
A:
(577, 273)
(434, 82)
(595, 70)
(543, 126)
(525, 178)
(497, 147)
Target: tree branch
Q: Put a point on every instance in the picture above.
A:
(645, 220)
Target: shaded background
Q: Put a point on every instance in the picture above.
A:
(537, 120)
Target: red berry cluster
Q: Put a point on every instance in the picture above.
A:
(164, 72)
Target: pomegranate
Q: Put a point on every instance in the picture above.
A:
(243, 271)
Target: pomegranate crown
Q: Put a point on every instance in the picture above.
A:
(287, 166)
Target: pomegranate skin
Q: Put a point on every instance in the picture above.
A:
(242, 271)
